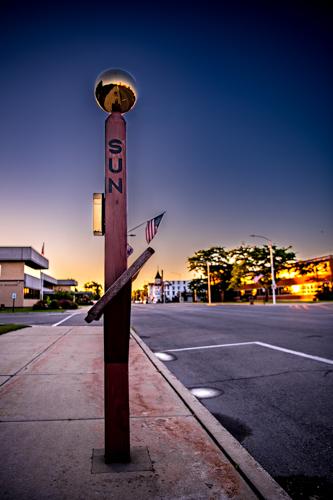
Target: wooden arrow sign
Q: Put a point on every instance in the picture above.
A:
(96, 311)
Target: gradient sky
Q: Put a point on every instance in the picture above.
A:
(232, 132)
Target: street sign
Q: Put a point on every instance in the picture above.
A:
(13, 295)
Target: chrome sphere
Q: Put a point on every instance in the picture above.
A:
(115, 91)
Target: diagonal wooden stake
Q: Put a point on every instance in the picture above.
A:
(96, 311)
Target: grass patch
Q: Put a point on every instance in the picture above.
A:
(10, 327)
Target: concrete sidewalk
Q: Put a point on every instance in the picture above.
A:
(51, 420)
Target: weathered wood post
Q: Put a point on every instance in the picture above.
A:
(115, 93)
(116, 314)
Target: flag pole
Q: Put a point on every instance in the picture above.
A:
(41, 295)
(145, 222)
(41, 286)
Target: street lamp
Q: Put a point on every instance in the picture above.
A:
(115, 93)
(208, 284)
(270, 246)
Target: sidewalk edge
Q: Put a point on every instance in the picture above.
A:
(255, 475)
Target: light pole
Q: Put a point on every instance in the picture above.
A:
(208, 284)
(116, 94)
(270, 246)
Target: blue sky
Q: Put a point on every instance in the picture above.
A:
(232, 132)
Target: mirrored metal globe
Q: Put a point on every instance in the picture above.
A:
(115, 90)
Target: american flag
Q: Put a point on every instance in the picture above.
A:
(257, 278)
(130, 250)
(152, 226)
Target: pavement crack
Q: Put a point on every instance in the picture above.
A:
(57, 374)
(37, 356)
(32, 420)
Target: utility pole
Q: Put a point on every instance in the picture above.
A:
(270, 246)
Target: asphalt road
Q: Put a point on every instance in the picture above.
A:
(271, 368)
(277, 403)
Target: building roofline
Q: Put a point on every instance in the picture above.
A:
(28, 255)
(317, 259)
(67, 282)
(50, 279)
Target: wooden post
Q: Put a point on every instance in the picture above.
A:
(116, 313)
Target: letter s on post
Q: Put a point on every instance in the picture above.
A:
(115, 146)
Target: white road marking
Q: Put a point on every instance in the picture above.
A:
(325, 307)
(207, 347)
(296, 353)
(269, 346)
(65, 319)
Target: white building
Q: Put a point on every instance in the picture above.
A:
(173, 290)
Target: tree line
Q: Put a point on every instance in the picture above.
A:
(230, 269)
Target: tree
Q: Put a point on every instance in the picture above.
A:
(252, 263)
(199, 288)
(141, 294)
(136, 295)
(319, 271)
(63, 294)
(314, 268)
(220, 272)
(94, 287)
(231, 269)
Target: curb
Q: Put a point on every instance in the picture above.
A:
(253, 473)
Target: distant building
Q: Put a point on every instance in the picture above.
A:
(172, 290)
(291, 284)
(27, 289)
